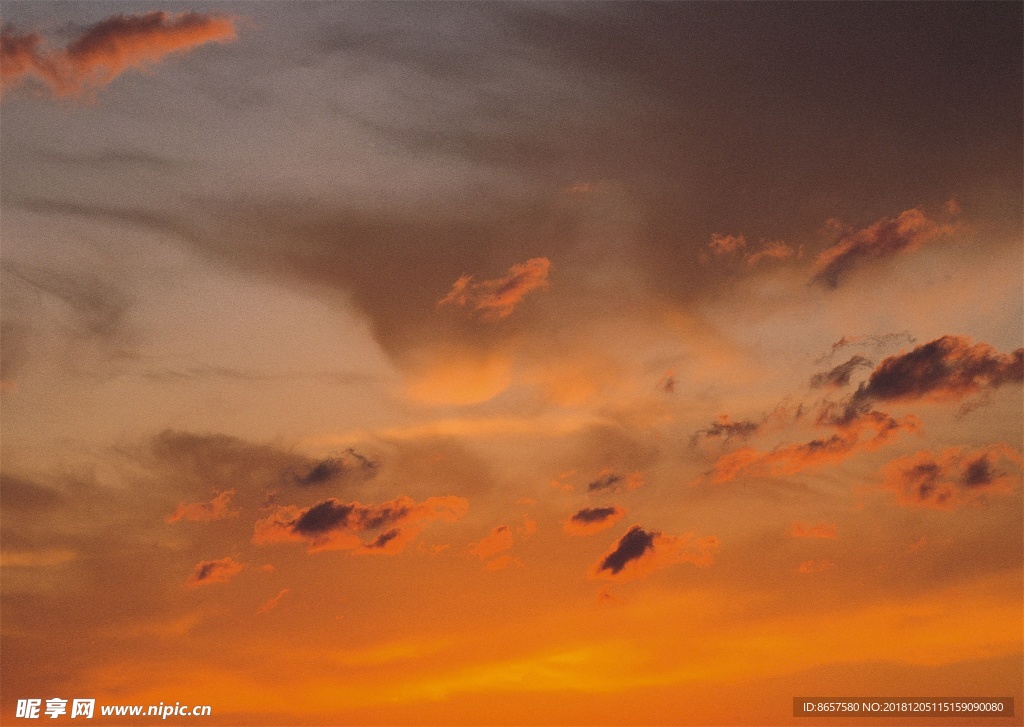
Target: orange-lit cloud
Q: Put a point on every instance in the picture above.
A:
(498, 540)
(726, 244)
(610, 481)
(214, 571)
(593, 520)
(882, 239)
(950, 478)
(946, 369)
(497, 298)
(793, 458)
(215, 509)
(640, 552)
(105, 50)
(731, 245)
(334, 525)
(458, 376)
(805, 530)
(771, 250)
(274, 602)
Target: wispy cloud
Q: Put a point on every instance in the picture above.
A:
(865, 432)
(497, 298)
(105, 50)
(839, 376)
(885, 238)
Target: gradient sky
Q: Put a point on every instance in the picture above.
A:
(507, 363)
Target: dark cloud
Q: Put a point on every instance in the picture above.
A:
(595, 514)
(383, 539)
(18, 494)
(214, 571)
(593, 519)
(978, 472)
(946, 369)
(885, 238)
(323, 517)
(609, 481)
(726, 428)
(952, 477)
(859, 429)
(630, 546)
(839, 376)
(335, 525)
(332, 469)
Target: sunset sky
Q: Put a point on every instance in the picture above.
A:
(506, 363)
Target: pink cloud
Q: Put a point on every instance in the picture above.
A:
(105, 50)
(497, 298)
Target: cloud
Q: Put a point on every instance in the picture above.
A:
(950, 478)
(215, 509)
(274, 602)
(640, 552)
(878, 343)
(226, 462)
(613, 482)
(793, 458)
(593, 519)
(332, 469)
(731, 245)
(105, 50)
(498, 540)
(946, 369)
(772, 250)
(497, 298)
(725, 427)
(334, 525)
(839, 376)
(726, 244)
(882, 239)
(214, 571)
(826, 531)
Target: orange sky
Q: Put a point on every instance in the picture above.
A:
(508, 364)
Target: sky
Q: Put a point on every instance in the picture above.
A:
(509, 363)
